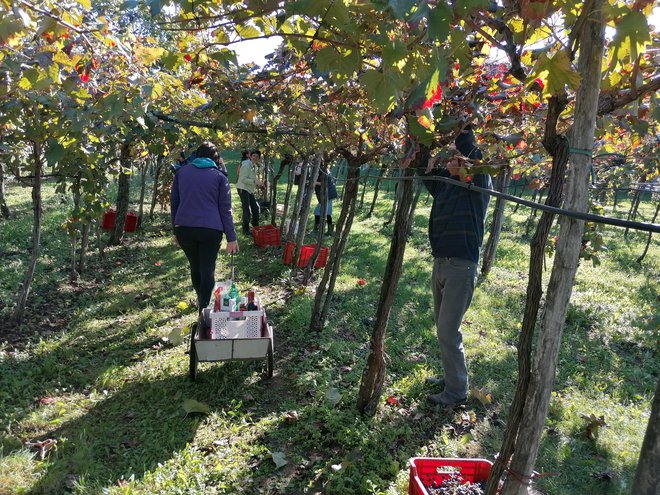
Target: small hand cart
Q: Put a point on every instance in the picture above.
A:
(234, 345)
(233, 336)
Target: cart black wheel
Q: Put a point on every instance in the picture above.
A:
(193, 353)
(270, 362)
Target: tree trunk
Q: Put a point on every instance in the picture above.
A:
(326, 286)
(4, 209)
(143, 189)
(19, 311)
(503, 179)
(376, 190)
(287, 196)
(647, 477)
(304, 210)
(532, 303)
(154, 193)
(123, 191)
(632, 213)
(565, 266)
(373, 376)
(397, 195)
(99, 242)
(84, 244)
(417, 190)
(73, 231)
(648, 239)
(297, 207)
(342, 165)
(364, 188)
(321, 227)
(273, 196)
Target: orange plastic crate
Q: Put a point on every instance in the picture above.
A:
(424, 471)
(266, 235)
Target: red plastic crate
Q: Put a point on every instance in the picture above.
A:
(306, 253)
(289, 248)
(426, 470)
(130, 223)
(266, 235)
(108, 220)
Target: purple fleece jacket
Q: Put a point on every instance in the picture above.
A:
(201, 197)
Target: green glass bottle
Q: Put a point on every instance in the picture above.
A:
(233, 292)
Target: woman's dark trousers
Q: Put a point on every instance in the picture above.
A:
(201, 246)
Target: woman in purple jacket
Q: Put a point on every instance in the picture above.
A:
(200, 201)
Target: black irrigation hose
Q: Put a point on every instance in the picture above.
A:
(587, 217)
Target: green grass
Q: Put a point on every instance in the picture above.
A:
(90, 368)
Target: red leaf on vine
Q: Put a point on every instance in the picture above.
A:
(435, 96)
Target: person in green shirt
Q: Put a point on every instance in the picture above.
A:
(246, 185)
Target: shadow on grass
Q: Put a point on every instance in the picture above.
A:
(136, 429)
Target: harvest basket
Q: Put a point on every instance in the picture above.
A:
(424, 471)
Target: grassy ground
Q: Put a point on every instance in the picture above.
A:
(93, 369)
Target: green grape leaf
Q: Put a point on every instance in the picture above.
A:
(439, 20)
(55, 152)
(632, 33)
(393, 52)
(192, 406)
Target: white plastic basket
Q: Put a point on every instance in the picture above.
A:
(236, 325)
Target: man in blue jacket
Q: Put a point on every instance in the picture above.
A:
(456, 232)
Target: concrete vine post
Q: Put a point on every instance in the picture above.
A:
(567, 256)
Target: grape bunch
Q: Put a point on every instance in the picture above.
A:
(454, 485)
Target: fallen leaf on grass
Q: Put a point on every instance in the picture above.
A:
(606, 475)
(486, 398)
(182, 306)
(291, 416)
(594, 424)
(44, 447)
(393, 401)
(192, 406)
(46, 400)
(279, 459)
(176, 335)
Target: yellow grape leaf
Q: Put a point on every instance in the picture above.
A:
(424, 121)
(555, 73)
(148, 55)
(486, 398)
